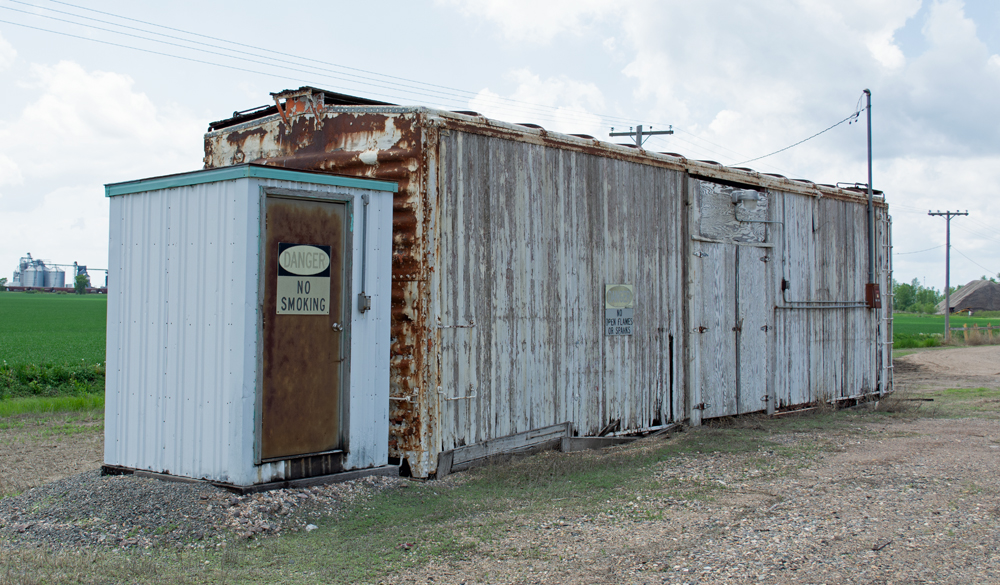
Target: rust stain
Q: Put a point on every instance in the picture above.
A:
(356, 144)
(302, 354)
(400, 145)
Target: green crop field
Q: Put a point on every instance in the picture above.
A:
(51, 344)
(913, 324)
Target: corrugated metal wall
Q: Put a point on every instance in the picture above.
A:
(528, 238)
(181, 330)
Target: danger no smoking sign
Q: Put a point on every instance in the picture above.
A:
(303, 279)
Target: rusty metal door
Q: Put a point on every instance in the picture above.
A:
(303, 336)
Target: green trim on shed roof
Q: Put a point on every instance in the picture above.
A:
(242, 172)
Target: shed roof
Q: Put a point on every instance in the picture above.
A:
(242, 171)
(978, 295)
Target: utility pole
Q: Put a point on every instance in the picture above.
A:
(639, 134)
(947, 266)
(872, 296)
(871, 207)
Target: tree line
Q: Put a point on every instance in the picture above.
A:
(914, 298)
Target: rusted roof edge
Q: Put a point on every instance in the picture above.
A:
(699, 169)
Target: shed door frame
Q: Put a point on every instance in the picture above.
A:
(345, 372)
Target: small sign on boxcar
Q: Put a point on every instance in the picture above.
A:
(619, 309)
(303, 279)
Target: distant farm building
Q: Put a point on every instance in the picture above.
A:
(978, 295)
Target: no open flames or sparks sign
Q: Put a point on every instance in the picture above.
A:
(619, 309)
(303, 279)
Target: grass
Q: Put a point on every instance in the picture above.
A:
(911, 330)
(475, 513)
(52, 328)
(47, 404)
(51, 344)
(917, 324)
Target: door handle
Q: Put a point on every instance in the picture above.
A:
(338, 327)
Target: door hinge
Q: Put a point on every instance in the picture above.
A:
(765, 259)
(701, 406)
(765, 328)
(739, 326)
(701, 329)
(701, 254)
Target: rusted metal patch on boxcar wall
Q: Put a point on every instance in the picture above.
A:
(371, 145)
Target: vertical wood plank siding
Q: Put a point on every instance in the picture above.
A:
(825, 353)
(505, 237)
(529, 237)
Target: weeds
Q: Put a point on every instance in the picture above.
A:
(21, 380)
(916, 340)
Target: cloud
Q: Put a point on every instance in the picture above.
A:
(7, 54)
(67, 225)
(944, 100)
(79, 130)
(88, 128)
(740, 80)
(10, 174)
(919, 184)
(537, 22)
(573, 101)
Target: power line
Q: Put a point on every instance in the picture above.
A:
(150, 51)
(918, 251)
(421, 88)
(696, 137)
(330, 74)
(992, 272)
(426, 90)
(851, 117)
(550, 117)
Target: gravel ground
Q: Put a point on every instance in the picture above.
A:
(909, 502)
(125, 511)
(902, 501)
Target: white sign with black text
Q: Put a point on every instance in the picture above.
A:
(303, 279)
(619, 309)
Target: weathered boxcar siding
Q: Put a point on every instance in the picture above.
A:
(529, 236)
(575, 215)
(730, 300)
(826, 350)
(883, 225)
(382, 143)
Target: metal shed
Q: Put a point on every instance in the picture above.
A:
(248, 325)
(547, 284)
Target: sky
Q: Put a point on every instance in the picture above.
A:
(112, 90)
